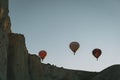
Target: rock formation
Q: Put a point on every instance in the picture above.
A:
(3, 55)
(111, 73)
(17, 58)
(35, 68)
(17, 64)
(3, 40)
(5, 23)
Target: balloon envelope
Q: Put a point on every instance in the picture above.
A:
(96, 52)
(74, 46)
(42, 54)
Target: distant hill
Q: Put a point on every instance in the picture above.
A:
(110, 73)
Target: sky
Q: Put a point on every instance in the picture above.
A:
(52, 25)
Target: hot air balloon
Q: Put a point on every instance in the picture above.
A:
(42, 54)
(74, 46)
(96, 53)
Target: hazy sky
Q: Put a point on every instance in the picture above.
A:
(52, 24)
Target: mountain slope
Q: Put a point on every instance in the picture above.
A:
(110, 73)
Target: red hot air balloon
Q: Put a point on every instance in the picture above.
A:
(96, 53)
(74, 46)
(42, 54)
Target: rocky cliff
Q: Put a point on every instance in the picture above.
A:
(17, 64)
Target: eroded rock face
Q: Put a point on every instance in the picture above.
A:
(3, 55)
(17, 68)
(3, 40)
(3, 9)
(5, 23)
(35, 68)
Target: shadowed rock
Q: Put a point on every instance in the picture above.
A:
(110, 73)
(17, 68)
(35, 68)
